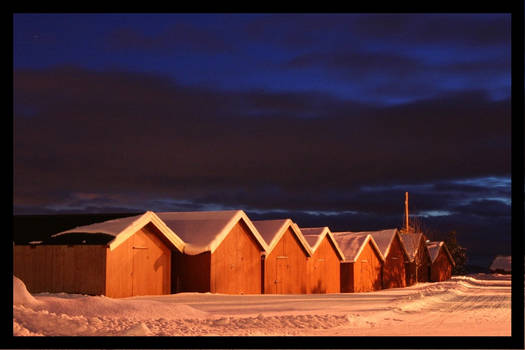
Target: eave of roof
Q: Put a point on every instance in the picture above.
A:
(321, 233)
(439, 246)
(279, 233)
(216, 238)
(368, 238)
(129, 229)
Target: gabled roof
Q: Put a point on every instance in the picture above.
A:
(501, 262)
(315, 235)
(273, 230)
(384, 239)
(411, 243)
(433, 250)
(123, 228)
(204, 231)
(28, 228)
(353, 243)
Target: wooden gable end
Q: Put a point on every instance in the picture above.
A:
(236, 264)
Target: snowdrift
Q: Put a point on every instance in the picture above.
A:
(477, 305)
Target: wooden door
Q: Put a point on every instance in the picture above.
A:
(150, 265)
(281, 267)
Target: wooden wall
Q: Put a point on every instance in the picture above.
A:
(324, 269)
(141, 265)
(236, 263)
(190, 273)
(423, 262)
(411, 270)
(419, 269)
(285, 268)
(441, 269)
(394, 266)
(347, 277)
(366, 272)
(61, 268)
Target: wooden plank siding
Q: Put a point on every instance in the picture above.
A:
(394, 266)
(423, 262)
(95, 269)
(324, 269)
(285, 269)
(141, 265)
(364, 274)
(441, 268)
(190, 273)
(78, 269)
(236, 263)
(347, 280)
(410, 273)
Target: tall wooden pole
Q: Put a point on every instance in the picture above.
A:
(406, 211)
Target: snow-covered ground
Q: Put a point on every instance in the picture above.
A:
(478, 305)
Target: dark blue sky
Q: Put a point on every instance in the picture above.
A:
(324, 118)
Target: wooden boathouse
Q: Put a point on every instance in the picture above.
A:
(324, 268)
(286, 261)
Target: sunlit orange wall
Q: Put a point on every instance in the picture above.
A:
(441, 269)
(286, 267)
(394, 266)
(366, 272)
(324, 269)
(236, 264)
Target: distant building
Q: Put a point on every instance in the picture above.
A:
(442, 261)
(501, 264)
(418, 267)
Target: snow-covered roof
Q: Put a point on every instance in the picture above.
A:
(411, 242)
(353, 243)
(273, 230)
(501, 262)
(433, 250)
(384, 239)
(315, 235)
(123, 228)
(204, 231)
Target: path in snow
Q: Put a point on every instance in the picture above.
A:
(466, 305)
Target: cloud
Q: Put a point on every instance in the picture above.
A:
(392, 74)
(451, 29)
(115, 131)
(177, 37)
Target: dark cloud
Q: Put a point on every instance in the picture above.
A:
(484, 208)
(177, 37)
(118, 132)
(345, 31)
(391, 74)
(444, 29)
(360, 64)
(425, 110)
